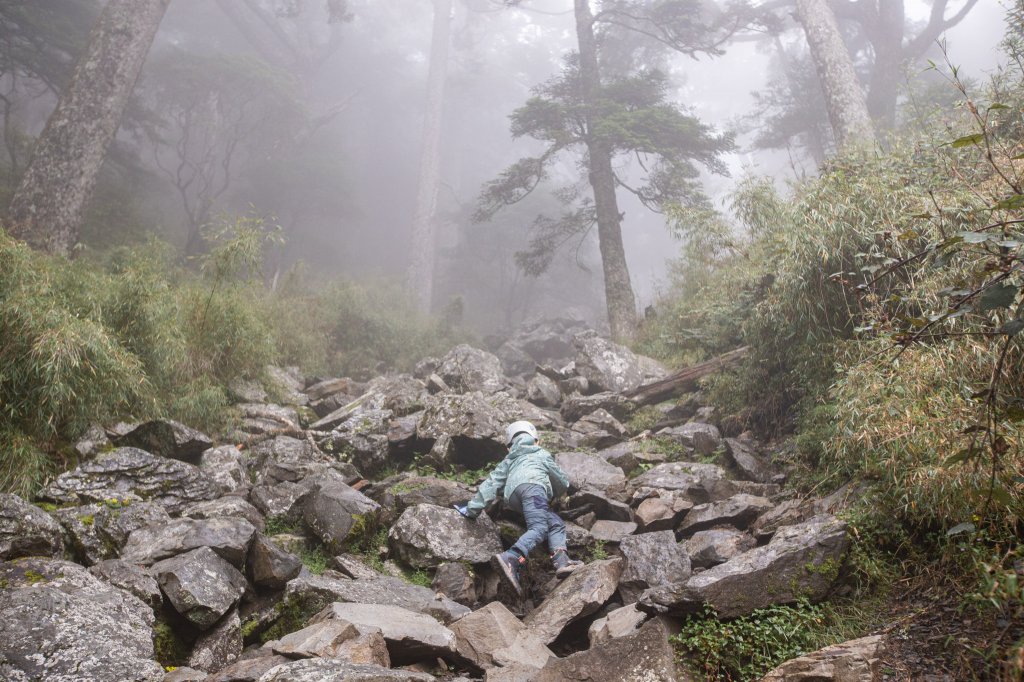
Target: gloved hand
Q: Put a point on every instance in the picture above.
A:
(463, 509)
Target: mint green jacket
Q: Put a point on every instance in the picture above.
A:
(526, 462)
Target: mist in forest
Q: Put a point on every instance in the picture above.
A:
(352, 129)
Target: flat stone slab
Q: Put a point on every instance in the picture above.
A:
(228, 537)
(330, 670)
(856, 660)
(739, 511)
(493, 636)
(590, 471)
(200, 585)
(581, 594)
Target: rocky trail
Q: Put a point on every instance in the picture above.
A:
(317, 541)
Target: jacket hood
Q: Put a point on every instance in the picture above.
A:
(523, 445)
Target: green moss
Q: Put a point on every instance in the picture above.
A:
(276, 525)
(87, 519)
(35, 577)
(643, 419)
(48, 507)
(419, 577)
(292, 615)
(315, 560)
(249, 628)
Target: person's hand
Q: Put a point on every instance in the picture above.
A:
(462, 509)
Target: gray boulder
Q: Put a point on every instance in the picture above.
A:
(410, 636)
(336, 639)
(611, 531)
(662, 511)
(543, 392)
(492, 636)
(130, 473)
(200, 585)
(514, 360)
(115, 523)
(709, 548)
(601, 505)
(261, 419)
(248, 669)
(311, 593)
(285, 458)
(270, 566)
(646, 655)
(475, 425)
(742, 453)
(599, 429)
(581, 594)
(287, 384)
(226, 466)
(699, 482)
(588, 471)
(457, 581)
(282, 500)
(618, 623)
(739, 511)
(466, 369)
(800, 561)
(787, 513)
(247, 391)
(576, 405)
(424, 490)
(333, 670)
(857, 660)
(652, 559)
(401, 394)
(230, 506)
(26, 530)
(228, 537)
(336, 510)
(166, 438)
(130, 578)
(606, 366)
(697, 437)
(426, 536)
(62, 624)
(218, 647)
(81, 537)
(92, 442)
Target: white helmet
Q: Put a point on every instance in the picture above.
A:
(516, 428)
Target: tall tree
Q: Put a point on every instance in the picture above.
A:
(424, 249)
(46, 209)
(847, 107)
(603, 118)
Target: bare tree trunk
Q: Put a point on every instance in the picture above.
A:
(46, 209)
(424, 249)
(618, 290)
(883, 89)
(847, 108)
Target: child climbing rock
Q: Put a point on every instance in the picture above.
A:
(529, 479)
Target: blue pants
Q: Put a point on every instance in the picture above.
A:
(531, 500)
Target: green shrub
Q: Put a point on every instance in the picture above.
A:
(746, 648)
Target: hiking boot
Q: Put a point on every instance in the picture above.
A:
(563, 564)
(507, 566)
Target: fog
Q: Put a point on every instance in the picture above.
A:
(327, 104)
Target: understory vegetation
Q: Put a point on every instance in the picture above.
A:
(132, 333)
(882, 306)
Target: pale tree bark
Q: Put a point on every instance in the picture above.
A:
(618, 290)
(424, 251)
(847, 108)
(46, 209)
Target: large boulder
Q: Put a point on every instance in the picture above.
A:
(130, 578)
(410, 636)
(738, 511)
(493, 636)
(699, 482)
(543, 391)
(336, 670)
(226, 466)
(200, 585)
(742, 452)
(466, 369)
(599, 429)
(26, 530)
(270, 566)
(787, 513)
(646, 655)
(286, 383)
(285, 458)
(166, 438)
(709, 548)
(857, 660)
(472, 421)
(457, 581)
(589, 471)
(581, 594)
(415, 490)
(652, 559)
(79, 524)
(618, 623)
(114, 523)
(426, 536)
(662, 511)
(607, 366)
(128, 473)
(311, 593)
(62, 624)
(230, 506)
(228, 537)
(218, 647)
(801, 561)
(337, 639)
(261, 419)
(697, 437)
(336, 510)
(576, 406)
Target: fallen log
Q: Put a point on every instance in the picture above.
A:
(685, 380)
